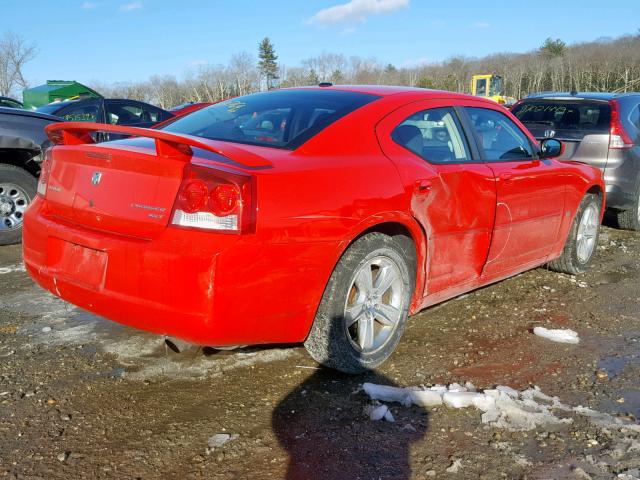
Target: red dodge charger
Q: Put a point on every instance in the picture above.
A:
(319, 215)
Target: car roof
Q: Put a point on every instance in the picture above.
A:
(388, 90)
(603, 96)
(28, 113)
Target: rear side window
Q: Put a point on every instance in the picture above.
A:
(434, 135)
(283, 119)
(570, 116)
(499, 137)
(80, 113)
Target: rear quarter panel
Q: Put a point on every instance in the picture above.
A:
(311, 205)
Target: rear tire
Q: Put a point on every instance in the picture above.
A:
(364, 309)
(581, 244)
(630, 219)
(17, 190)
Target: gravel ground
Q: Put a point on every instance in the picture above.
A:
(81, 397)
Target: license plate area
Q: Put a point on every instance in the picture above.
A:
(76, 263)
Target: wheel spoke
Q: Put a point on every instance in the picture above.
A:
(365, 332)
(364, 280)
(387, 314)
(384, 280)
(352, 314)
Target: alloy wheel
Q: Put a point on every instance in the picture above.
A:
(587, 234)
(14, 200)
(374, 306)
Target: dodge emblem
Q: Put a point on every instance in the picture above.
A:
(95, 179)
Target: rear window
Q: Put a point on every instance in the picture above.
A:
(565, 116)
(282, 119)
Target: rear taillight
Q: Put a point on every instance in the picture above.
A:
(213, 198)
(45, 171)
(619, 137)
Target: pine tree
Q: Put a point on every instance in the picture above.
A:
(267, 64)
(553, 48)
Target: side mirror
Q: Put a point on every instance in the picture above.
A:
(550, 147)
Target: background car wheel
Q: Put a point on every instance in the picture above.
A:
(582, 241)
(364, 309)
(630, 219)
(17, 189)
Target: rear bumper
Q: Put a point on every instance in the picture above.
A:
(209, 289)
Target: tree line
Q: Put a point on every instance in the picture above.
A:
(600, 65)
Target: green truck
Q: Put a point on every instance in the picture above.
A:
(55, 90)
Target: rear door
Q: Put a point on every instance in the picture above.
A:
(582, 125)
(530, 192)
(452, 191)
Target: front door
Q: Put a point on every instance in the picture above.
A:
(530, 193)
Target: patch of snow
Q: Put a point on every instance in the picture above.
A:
(386, 393)
(630, 474)
(12, 268)
(219, 439)
(557, 335)
(455, 466)
(426, 398)
(502, 407)
(456, 399)
(381, 412)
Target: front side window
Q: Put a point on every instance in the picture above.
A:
(499, 137)
(434, 135)
(283, 119)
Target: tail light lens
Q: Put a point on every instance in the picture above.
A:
(45, 171)
(619, 137)
(213, 198)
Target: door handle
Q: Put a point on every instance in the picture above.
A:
(422, 186)
(506, 177)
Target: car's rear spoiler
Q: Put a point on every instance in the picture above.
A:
(172, 145)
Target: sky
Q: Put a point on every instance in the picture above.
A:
(131, 40)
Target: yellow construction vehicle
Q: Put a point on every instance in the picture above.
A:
(491, 86)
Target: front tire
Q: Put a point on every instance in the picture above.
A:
(17, 190)
(364, 309)
(582, 241)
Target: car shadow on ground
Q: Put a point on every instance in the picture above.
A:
(324, 426)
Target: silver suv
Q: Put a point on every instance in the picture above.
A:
(601, 129)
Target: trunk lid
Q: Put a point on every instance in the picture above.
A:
(128, 191)
(126, 187)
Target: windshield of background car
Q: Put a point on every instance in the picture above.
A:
(7, 102)
(567, 119)
(283, 119)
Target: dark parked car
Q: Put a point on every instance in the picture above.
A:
(111, 111)
(22, 142)
(601, 129)
(10, 103)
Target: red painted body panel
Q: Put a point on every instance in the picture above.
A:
(87, 246)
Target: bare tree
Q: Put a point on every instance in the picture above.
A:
(14, 54)
(599, 65)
